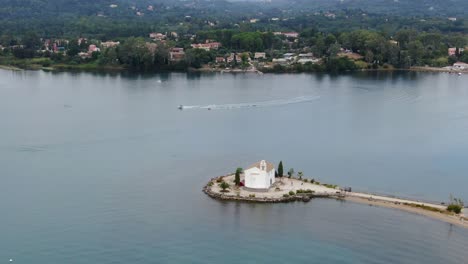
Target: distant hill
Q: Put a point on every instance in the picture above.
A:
(111, 18)
(394, 7)
(27, 8)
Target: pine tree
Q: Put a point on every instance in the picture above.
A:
(280, 169)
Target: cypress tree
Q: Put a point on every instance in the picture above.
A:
(280, 169)
(237, 177)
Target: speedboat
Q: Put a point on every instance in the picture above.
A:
(181, 107)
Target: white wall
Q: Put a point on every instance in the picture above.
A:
(258, 179)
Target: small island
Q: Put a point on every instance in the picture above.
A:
(262, 183)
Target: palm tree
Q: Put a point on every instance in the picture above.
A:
(300, 174)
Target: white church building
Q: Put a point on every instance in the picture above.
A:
(260, 175)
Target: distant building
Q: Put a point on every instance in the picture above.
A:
(260, 175)
(234, 58)
(288, 56)
(460, 66)
(176, 54)
(84, 55)
(281, 61)
(157, 36)
(207, 46)
(287, 34)
(220, 60)
(309, 55)
(110, 44)
(453, 51)
(307, 60)
(304, 58)
(452, 18)
(260, 55)
(291, 34)
(82, 41)
(330, 15)
(93, 48)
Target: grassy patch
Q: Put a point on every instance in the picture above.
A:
(425, 207)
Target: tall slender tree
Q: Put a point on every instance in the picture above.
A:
(237, 177)
(280, 169)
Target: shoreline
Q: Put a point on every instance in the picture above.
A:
(122, 69)
(447, 217)
(286, 190)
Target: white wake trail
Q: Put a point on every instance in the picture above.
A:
(301, 99)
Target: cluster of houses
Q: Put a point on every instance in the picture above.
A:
(291, 58)
(157, 36)
(94, 48)
(177, 54)
(57, 45)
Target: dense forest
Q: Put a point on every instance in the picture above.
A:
(125, 18)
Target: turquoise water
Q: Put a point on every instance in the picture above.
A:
(105, 169)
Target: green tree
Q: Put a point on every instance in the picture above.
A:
(224, 185)
(291, 172)
(456, 205)
(280, 169)
(73, 48)
(237, 176)
(300, 174)
(197, 57)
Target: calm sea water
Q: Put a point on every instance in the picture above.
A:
(105, 169)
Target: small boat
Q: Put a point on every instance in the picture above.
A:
(181, 107)
(209, 108)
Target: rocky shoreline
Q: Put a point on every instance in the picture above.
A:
(304, 197)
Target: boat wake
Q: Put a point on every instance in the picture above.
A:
(296, 100)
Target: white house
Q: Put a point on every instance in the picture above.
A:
(460, 66)
(260, 175)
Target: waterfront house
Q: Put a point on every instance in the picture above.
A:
(220, 60)
(282, 62)
(260, 175)
(460, 66)
(289, 56)
(176, 54)
(234, 57)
